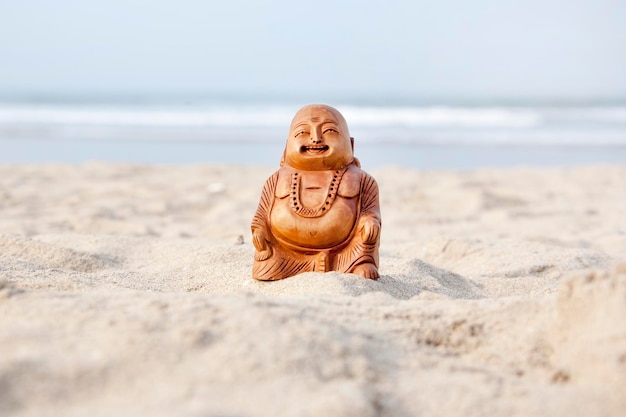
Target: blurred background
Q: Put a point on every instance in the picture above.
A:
(443, 84)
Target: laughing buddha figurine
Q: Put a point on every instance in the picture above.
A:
(319, 212)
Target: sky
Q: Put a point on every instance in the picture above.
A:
(532, 49)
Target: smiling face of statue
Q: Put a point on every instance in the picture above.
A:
(318, 140)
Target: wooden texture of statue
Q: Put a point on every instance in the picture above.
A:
(319, 211)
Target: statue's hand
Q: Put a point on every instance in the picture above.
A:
(370, 232)
(261, 243)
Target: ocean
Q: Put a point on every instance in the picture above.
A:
(435, 135)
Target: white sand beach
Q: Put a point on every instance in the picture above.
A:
(126, 290)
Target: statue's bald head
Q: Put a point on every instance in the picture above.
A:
(319, 139)
(319, 110)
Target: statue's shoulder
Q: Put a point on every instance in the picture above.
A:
(351, 182)
(283, 181)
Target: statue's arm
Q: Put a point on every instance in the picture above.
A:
(260, 222)
(370, 221)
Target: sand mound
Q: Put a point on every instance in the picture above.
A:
(234, 354)
(590, 331)
(510, 258)
(418, 277)
(33, 255)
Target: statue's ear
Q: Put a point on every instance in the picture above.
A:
(284, 157)
(355, 160)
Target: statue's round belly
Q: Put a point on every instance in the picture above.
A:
(326, 231)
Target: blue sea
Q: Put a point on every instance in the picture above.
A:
(419, 134)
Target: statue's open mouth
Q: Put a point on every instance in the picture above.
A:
(314, 149)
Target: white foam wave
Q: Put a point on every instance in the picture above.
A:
(139, 117)
(268, 116)
(426, 124)
(442, 116)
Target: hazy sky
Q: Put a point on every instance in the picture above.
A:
(460, 49)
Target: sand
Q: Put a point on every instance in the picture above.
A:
(126, 290)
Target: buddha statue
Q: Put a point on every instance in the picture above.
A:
(319, 212)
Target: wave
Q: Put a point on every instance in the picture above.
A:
(417, 124)
(442, 117)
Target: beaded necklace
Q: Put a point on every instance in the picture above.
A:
(300, 209)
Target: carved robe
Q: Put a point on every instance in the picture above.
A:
(328, 237)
